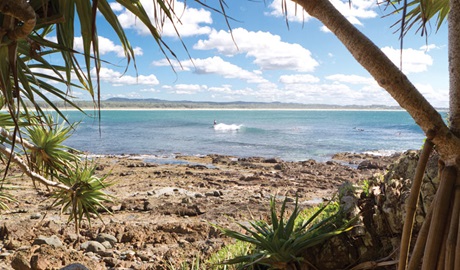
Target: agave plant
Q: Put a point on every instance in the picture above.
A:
(86, 195)
(279, 245)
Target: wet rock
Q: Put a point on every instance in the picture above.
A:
(367, 165)
(272, 160)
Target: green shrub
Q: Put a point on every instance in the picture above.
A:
(279, 245)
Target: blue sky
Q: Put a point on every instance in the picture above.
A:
(304, 63)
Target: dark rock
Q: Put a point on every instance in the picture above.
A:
(366, 164)
(272, 160)
(75, 266)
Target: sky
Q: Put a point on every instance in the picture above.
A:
(265, 59)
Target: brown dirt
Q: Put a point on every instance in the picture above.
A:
(162, 213)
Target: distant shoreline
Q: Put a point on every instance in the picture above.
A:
(225, 109)
(122, 104)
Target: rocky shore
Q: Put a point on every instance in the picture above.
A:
(162, 212)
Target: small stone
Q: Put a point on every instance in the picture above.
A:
(75, 266)
(128, 255)
(36, 216)
(20, 261)
(144, 256)
(110, 262)
(92, 246)
(4, 255)
(52, 241)
(38, 262)
(106, 254)
(199, 195)
(150, 193)
(114, 208)
(102, 237)
(71, 238)
(12, 244)
(107, 244)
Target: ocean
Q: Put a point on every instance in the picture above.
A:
(292, 135)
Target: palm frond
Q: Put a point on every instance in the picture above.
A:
(418, 13)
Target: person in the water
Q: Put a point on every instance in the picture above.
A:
(215, 123)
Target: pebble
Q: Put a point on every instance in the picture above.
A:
(75, 266)
(52, 241)
(127, 255)
(103, 237)
(36, 216)
(92, 246)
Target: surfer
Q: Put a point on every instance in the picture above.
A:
(215, 123)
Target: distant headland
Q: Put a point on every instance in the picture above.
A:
(126, 104)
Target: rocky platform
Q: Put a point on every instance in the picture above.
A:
(162, 213)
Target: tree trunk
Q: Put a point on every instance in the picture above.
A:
(454, 67)
(388, 77)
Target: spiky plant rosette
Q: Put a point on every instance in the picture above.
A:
(281, 243)
(5, 198)
(49, 153)
(86, 197)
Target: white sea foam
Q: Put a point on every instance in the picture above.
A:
(225, 127)
(381, 153)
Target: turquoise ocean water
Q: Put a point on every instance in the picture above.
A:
(290, 135)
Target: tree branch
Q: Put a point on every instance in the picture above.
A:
(7, 152)
(26, 144)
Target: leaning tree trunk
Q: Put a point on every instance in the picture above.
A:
(442, 250)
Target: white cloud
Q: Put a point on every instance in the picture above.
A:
(359, 9)
(413, 61)
(294, 12)
(118, 79)
(437, 97)
(429, 47)
(149, 90)
(189, 21)
(298, 78)
(106, 46)
(215, 65)
(268, 51)
(184, 89)
(352, 79)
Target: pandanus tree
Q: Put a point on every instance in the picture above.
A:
(438, 242)
(31, 33)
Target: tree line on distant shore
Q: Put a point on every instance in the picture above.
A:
(119, 103)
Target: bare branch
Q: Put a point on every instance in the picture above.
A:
(7, 152)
